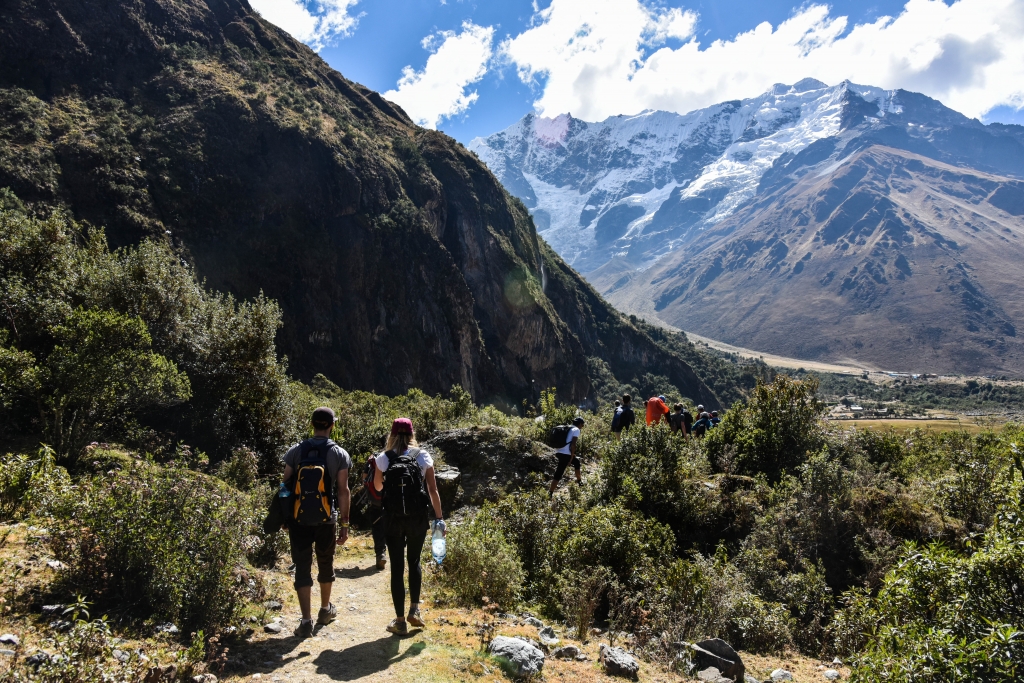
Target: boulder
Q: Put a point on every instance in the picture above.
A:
(712, 675)
(533, 621)
(204, 678)
(9, 639)
(448, 487)
(831, 674)
(617, 662)
(719, 654)
(747, 678)
(781, 675)
(37, 659)
(547, 636)
(566, 652)
(528, 660)
(273, 627)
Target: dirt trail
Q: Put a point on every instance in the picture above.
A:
(353, 648)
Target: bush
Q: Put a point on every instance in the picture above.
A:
(142, 305)
(944, 615)
(29, 483)
(481, 563)
(772, 432)
(169, 543)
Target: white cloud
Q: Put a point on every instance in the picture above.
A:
(315, 22)
(440, 89)
(592, 59)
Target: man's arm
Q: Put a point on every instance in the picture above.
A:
(572, 446)
(344, 501)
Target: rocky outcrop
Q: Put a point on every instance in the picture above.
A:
(398, 259)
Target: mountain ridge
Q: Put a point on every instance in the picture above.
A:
(397, 258)
(721, 165)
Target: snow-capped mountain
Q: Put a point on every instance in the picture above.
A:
(819, 222)
(639, 186)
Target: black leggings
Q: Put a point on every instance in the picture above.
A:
(405, 535)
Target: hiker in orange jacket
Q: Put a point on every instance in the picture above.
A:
(656, 409)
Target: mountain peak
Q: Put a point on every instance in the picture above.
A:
(807, 84)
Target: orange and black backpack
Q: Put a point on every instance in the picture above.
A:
(314, 488)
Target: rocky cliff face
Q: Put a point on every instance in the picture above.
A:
(398, 259)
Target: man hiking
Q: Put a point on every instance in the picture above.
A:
(316, 474)
(701, 426)
(675, 420)
(375, 509)
(624, 416)
(687, 422)
(567, 454)
(656, 409)
(714, 418)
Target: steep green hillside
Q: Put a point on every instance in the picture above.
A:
(398, 260)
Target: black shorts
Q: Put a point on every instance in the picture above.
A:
(564, 460)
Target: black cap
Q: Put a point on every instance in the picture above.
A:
(578, 421)
(323, 417)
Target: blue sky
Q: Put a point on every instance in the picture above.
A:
(492, 62)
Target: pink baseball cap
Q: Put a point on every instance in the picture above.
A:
(402, 425)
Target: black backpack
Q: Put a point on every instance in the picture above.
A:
(617, 419)
(313, 490)
(559, 436)
(404, 492)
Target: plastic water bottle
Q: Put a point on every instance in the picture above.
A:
(282, 491)
(438, 544)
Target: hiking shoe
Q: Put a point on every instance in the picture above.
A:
(398, 627)
(304, 629)
(414, 618)
(327, 614)
(381, 562)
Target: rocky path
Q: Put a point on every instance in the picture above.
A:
(353, 648)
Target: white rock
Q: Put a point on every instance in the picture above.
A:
(781, 675)
(831, 675)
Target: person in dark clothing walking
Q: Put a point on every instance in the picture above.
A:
(701, 426)
(375, 509)
(675, 420)
(405, 474)
(624, 417)
(687, 422)
(311, 458)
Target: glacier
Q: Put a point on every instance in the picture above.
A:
(634, 188)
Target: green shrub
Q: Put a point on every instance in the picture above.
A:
(27, 484)
(772, 432)
(142, 305)
(99, 374)
(169, 543)
(945, 615)
(481, 563)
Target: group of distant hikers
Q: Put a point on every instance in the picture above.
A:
(400, 490)
(680, 421)
(315, 500)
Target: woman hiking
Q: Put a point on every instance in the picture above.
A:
(405, 475)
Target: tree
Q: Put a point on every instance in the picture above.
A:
(100, 372)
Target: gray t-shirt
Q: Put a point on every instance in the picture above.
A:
(337, 458)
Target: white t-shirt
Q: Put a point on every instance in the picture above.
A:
(423, 460)
(574, 433)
